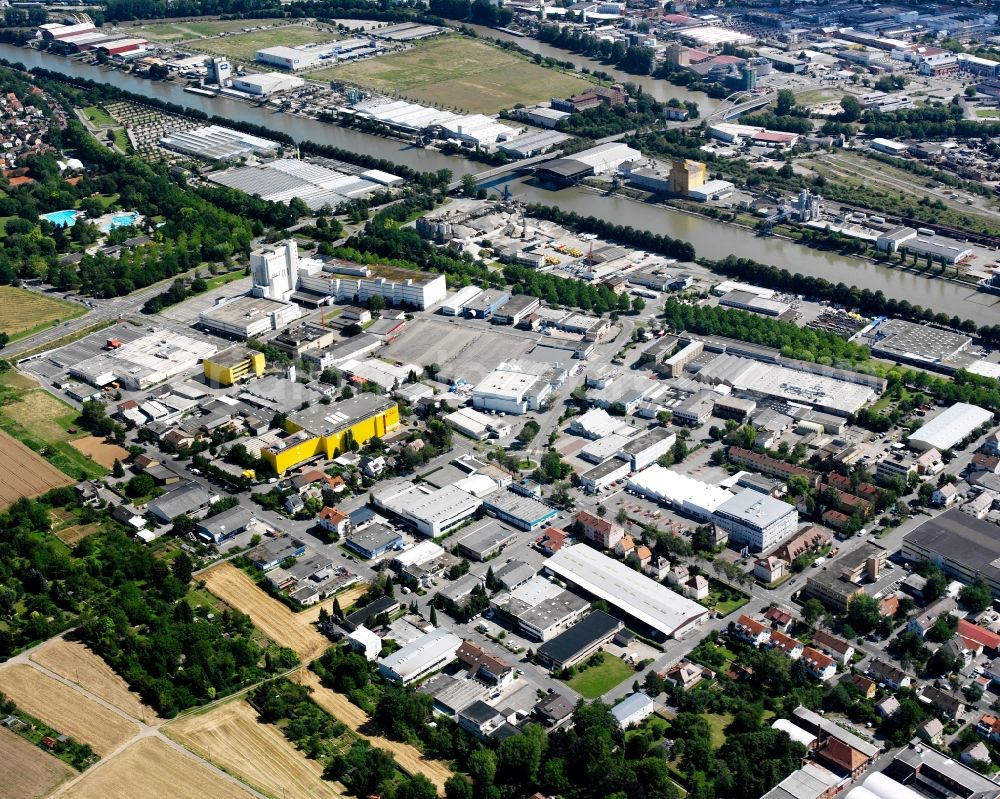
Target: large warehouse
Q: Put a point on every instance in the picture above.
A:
(645, 600)
(949, 427)
(215, 143)
(962, 545)
(684, 493)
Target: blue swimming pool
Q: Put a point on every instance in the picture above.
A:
(66, 218)
(122, 220)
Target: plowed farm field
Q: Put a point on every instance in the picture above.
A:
(25, 474)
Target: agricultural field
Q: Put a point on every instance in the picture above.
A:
(101, 451)
(25, 473)
(26, 772)
(259, 754)
(275, 620)
(340, 707)
(193, 29)
(243, 46)
(73, 661)
(65, 709)
(36, 418)
(152, 769)
(24, 312)
(457, 72)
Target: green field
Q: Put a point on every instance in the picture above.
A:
(987, 113)
(243, 46)
(182, 31)
(457, 72)
(24, 312)
(596, 681)
(99, 116)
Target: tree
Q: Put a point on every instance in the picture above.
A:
(786, 102)
(862, 613)
(416, 787)
(182, 567)
(376, 304)
(935, 586)
(434, 616)
(976, 597)
(851, 108)
(622, 516)
(141, 485)
(469, 185)
(457, 787)
(117, 470)
(482, 767)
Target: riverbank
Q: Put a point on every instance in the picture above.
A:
(712, 240)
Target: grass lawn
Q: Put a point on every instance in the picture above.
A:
(457, 72)
(727, 606)
(24, 312)
(221, 280)
(718, 722)
(99, 116)
(121, 139)
(181, 31)
(987, 113)
(596, 681)
(243, 46)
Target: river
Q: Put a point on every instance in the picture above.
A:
(710, 239)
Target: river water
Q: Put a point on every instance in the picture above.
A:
(710, 239)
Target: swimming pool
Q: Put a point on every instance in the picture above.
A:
(65, 218)
(125, 219)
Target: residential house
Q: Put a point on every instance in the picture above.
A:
(294, 503)
(484, 665)
(922, 622)
(981, 462)
(790, 646)
(979, 505)
(364, 641)
(678, 574)
(944, 496)
(644, 554)
(932, 731)
(334, 521)
(658, 568)
(949, 706)
(750, 630)
(975, 635)
(779, 619)
(600, 532)
(976, 753)
(686, 674)
(769, 569)
(929, 462)
(988, 726)
(820, 666)
(554, 710)
(481, 720)
(866, 686)
(633, 710)
(888, 675)
(696, 587)
(887, 707)
(837, 648)
(625, 546)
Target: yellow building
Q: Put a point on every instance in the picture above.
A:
(686, 174)
(230, 366)
(327, 430)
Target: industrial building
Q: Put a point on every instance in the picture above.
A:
(429, 653)
(141, 362)
(633, 710)
(487, 541)
(310, 55)
(860, 571)
(315, 183)
(264, 84)
(651, 604)
(323, 430)
(644, 449)
(228, 367)
(373, 541)
(515, 387)
(756, 520)
(684, 493)
(225, 525)
(454, 304)
(949, 427)
(331, 279)
(599, 160)
(524, 513)
(541, 609)
(963, 546)
(431, 512)
(921, 345)
(579, 642)
(215, 143)
(244, 317)
(471, 423)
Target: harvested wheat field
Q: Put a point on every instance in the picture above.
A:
(25, 474)
(26, 772)
(73, 661)
(340, 707)
(65, 710)
(153, 769)
(259, 754)
(100, 450)
(347, 597)
(275, 620)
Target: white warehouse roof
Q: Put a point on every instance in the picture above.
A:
(644, 599)
(949, 427)
(686, 493)
(415, 657)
